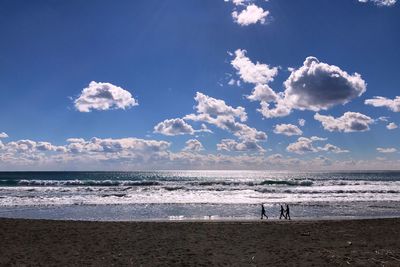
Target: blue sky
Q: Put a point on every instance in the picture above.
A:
(164, 52)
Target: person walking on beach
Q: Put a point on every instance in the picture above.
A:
(263, 213)
(282, 213)
(287, 212)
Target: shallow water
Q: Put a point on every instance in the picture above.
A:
(197, 194)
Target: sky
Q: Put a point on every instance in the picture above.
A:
(211, 84)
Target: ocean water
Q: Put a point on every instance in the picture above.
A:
(176, 195)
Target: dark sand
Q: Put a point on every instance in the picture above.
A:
(255, 243)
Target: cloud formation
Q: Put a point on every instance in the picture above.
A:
(249, 72)
(193, 145)
(380, 2)
(305, 145)
(302, 145)
(138, 154)
(391, 126)
(232, 145)
(314, 86)
(251, 15)
(380, 101)
(287, 129)
(104, 96)
(216, 112)
(386, 150)
(317, 85)
(3, 135)
(173, 127)
(349, 122)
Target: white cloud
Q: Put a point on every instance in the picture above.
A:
(3, 135)
(301, 146)
(110, 145)
(251, 15)
(332, 148)
(139, 154)
(386, 150)
(249, 72)
(233, 82)
(216, 107)
(203, 129)
(302, 122)
(349, 122)
(29, 146)
(232, 145)
(304, 145)
(218, 113)
(262, 92)
(392, 126)
(281, 109)
(104, 96)
(380, 2)
(238, 2)
(193, 145)
(287, 129)
(383, 118)
(317, 85)
(380, 101)
(314, 86)
(75, 140)
(173, 127)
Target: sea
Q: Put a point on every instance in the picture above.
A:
(198, 195)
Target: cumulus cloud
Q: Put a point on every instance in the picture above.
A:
(251, 15)
(232, 145)
(349, 122)
(104, 96)
(193, 145)
(391, 126)
(380, 2)
(332, 148)
(216, 107)
(238, 2)
(110, 145)
(305, 145)
(386, 150)
(287, 129)
(302, 122)
(383, 118)
(317, 85)
(29, 146)
(203, 129)
(3, 135)
(380, 101)
(281, 109)
(262, 92)
(173, 127)
(139, 154)
(301, 146)
(314, 86)
(218, 113)
(249, 72)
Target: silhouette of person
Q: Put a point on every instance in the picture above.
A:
(263, 213)
(287, 212)
(282, 213)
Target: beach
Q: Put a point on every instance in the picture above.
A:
(366, 242)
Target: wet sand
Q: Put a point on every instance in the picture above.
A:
(372, 242)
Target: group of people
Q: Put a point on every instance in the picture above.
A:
(285, 213)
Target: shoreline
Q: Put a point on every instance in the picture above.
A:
(201, 212)
(217, 220)
(366, 242)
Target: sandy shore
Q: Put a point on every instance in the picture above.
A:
(374, 242)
